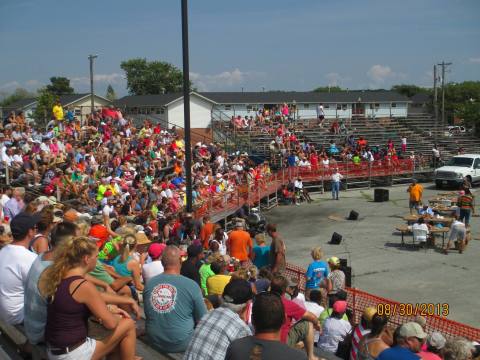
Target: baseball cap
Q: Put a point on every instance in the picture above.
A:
(155, 250)
(334, 260)
(262, 285)
(369, 312)
(340, 306)
(237, 291)
(194, 250)
(412, 329)
(436, 340)
(23, 222)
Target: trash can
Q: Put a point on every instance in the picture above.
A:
(381, 195)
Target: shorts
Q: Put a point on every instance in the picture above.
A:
(297, 333)
(83, 352)
(413, 204)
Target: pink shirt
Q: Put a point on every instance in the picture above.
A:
(426, 355)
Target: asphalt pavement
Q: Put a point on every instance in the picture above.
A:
(379, 264)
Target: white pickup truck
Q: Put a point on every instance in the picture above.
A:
(458, 168)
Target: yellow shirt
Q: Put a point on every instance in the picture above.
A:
(57, 112)
(216, 284)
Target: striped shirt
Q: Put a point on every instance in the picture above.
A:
(357, 335)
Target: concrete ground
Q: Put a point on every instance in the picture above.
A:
(379, 265)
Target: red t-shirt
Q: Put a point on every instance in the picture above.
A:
(293, 312)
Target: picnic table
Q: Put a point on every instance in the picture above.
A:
(444, 220)
(405, 229)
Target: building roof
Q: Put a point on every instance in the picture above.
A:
(266, 98)
(65, 100)
(148, 100)
(421, 98)
(304, 97)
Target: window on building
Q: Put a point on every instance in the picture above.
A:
(377, 105)
(339, 107)
(78, 112)
(394, 104)
(228, 107)
(249, 108)
(371, 106)
(326, 106)
(306, 106)
(344, 107)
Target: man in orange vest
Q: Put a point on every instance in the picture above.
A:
(416, 191)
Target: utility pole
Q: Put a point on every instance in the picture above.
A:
(444, 65)
(92, 100)
(186, 104)
(435, 101)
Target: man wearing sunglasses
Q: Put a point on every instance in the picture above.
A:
(409, 339)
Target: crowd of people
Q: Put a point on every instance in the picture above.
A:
(100, 227)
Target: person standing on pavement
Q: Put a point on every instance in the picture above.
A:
(416, 191)
(336, 177)
(277, 250)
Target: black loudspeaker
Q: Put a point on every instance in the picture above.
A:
(353, 215)
(336, 239)
(381, 195)
(343, 262)
(347, 270)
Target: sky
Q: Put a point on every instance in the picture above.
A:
(241, 45)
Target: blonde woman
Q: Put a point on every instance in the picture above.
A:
(72, 300)
(125, 264)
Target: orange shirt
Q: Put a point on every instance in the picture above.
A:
(205, 233)
(239, 242)
(415, 192)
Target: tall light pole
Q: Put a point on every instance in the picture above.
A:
(186, 104)
(92, 100)
(444, 65)
(435, 101)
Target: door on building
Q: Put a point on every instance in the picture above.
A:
(358, 109)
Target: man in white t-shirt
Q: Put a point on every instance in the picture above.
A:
(154, 267)
(335, 328)
(15, 263)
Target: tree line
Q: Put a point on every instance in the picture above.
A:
(462, 100)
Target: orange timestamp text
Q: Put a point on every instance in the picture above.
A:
(413, 309)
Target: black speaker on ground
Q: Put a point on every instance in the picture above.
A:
(381, 195)
(347, 270)
(343, 262)
(353, 215)
(336, 239)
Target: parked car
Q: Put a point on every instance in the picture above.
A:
(460, 167)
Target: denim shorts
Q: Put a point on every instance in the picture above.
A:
(83, 352)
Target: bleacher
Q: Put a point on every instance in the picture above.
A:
(419, 130)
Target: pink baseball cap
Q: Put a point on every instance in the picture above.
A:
(155, 250)
(340, 306)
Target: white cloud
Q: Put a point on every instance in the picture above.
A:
(474, 60)
(379, 73)
(113, 78)
(226, 79)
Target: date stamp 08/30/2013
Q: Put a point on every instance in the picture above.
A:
(413, 309)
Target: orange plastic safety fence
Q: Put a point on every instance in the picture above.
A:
(398, 313)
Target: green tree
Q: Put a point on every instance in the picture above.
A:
(18, 94)
(409, 90)
(60, 86)
(328, 89)
(43, 110)
(110, 95)
(151, 77)
(462, 100)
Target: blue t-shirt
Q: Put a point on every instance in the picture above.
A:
(397, 353)
(173, 305)
(316, 272)
(262, 254)
(292, 159)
